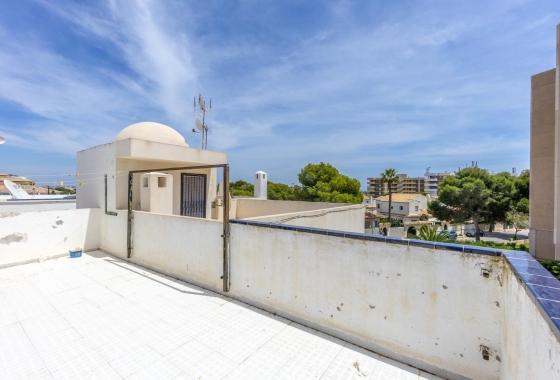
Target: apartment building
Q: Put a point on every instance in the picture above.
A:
(432, 181)
(544, 218)
(408, 185)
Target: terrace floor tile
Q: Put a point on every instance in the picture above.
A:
(98, 317)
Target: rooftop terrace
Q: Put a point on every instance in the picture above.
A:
(104, 318)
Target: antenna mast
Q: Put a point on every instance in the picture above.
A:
(204, 111)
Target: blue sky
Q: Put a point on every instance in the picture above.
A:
(361, 85)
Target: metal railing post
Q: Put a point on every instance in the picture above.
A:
(129, 222)
(225, 235)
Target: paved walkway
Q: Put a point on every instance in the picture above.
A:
(98, 317)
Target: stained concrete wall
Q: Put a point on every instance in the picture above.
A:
(542, 181)
(430, 308)
(530, 347)
(30, 236)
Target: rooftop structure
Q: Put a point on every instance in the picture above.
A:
(545, 168)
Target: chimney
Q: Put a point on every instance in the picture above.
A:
(260, 185)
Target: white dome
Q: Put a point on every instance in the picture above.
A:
(152, 132)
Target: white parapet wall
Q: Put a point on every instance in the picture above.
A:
(333, 216)
(349, 218)
(430, 308)
(37, 235)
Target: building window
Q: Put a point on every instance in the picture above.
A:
(415, 208)
(161, 181)
(401, 208)
(391, 207)
(378, 205)
(264, 176)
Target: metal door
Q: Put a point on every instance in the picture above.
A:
(193, 195)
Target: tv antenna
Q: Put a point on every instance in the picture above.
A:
(202, 110)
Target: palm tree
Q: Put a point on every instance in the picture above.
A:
(389, 176)
(430, 233)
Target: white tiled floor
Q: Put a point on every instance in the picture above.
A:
(97, 317)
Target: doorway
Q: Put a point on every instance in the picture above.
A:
(193, 195)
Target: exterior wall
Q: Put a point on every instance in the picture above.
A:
(531, 349)
(91, 165)
(349, 218)
(378, 295)
(184, 247)
(542, 165)
(251, 208)
(32, 236)
(154, 198)
(557, 146)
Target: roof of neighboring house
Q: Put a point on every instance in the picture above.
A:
(398, 197)
(367, 197)
(20, 180)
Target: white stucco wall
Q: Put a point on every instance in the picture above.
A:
(190, 248)
(349, 218)
(91, 166)
(249, 208)
(531, 349)
(414, 304)
(30, 236)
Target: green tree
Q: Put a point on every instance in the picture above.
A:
(242, 189)
(430, 233)
(466, 195)
(518, 220)
(503, 195)
(280, 192)
(389, 176)
(522, 184)
(522, 206)
(323, 183)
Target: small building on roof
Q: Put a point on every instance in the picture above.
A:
(146, 146)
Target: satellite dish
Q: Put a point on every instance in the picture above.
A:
(2, 140)
(199, 125)
(16, 191)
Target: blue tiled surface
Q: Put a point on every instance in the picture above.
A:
(544, 292)
(527, 266)
(378, 238)
(544, 287)
(549, 281)
(551, 307)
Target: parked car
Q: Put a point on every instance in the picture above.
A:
(451, 235)
(472, 232)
